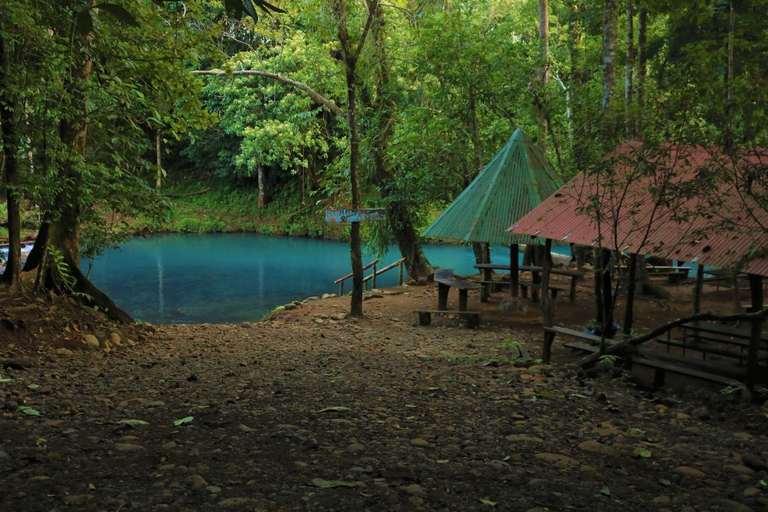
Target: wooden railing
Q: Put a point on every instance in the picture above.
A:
(371, 279)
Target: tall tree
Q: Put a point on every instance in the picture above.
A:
(350, 56)
(544, 72)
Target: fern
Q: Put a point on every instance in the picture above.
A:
(62, 277)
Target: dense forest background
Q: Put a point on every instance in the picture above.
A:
(108, 131)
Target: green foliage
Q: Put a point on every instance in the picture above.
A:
(62, 277)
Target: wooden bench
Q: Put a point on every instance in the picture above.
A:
(553, 289)
(444, 279)
(472, 318)
(589, 345)
(662, 367)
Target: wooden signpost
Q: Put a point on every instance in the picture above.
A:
(361, 215)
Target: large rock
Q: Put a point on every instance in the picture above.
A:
(91, 341)
(753, 461)
(595, 447)
(689, 471)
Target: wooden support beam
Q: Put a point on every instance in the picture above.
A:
(698, 288)
(514, 272)
(547, 307)
(756, 292)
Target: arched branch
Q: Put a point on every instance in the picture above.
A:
(330, 105)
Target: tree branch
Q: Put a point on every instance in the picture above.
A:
(372, 7)
(633, 342)
(330, 105)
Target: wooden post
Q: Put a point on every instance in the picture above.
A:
(756, 291)
(629, 309)
(698, 289)
(400, 274)
(374, 276)
(598, 287)
(442, 296)
(341, 289)
(547, 307)
(514, 271)
(735, 291)
(607, 290)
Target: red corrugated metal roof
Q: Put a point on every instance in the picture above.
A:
(709, 217)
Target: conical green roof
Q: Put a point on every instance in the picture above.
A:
(513, 183)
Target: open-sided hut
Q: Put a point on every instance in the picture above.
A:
(676, 202)
(514, 182)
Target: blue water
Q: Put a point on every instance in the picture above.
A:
(239, 277)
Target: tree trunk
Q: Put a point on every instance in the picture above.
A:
(35, 257)
(351, 57)
(9, 111)
(262, 188)
(476, 155)
(355, 248)
(63, 232)
(729, 74)
(159, 157)
(610, 34)
(642, 57)
(644, 285)
(544, 73)
(629, 70)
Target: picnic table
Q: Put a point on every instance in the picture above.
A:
(445, 281)
(489, 283)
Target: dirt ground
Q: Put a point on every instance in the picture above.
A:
(311, 410)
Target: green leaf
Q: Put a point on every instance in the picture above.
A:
(645, 454)
(133, 423)
(84, 22)
(119, 13)
(328, 484)
(605, 491)
(338, 408)
(8, 379)
(250, 9)
(183, 421)
(577, 395)
(234, 8)
(488, 502)
(268, 7)
(664, 481)
(28, 411)
(763, 483)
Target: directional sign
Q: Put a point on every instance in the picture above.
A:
(342, 216)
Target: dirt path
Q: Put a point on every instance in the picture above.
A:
(314, 411)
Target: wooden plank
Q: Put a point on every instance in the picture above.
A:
(708, 366)
(682, 370)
